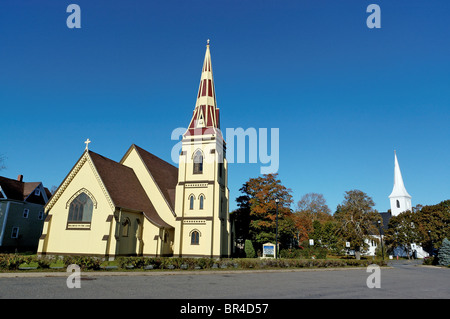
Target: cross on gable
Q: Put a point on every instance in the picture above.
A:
(87, 144)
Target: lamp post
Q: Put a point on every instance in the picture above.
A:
(276, 231)
(381, 239)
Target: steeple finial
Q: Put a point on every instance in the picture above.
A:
(207, 42)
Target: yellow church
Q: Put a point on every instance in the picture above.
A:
(144, 206)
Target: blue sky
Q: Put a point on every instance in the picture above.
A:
(343, 96)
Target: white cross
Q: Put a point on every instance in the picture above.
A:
(87, 143)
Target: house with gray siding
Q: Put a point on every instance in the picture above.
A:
(21, 214)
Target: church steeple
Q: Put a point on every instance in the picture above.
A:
(202, 194)
(400, 199)
(206, 113)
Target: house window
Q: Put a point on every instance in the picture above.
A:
(41, 215)
(191, 202)
(201, 199)
(80, 212)
(26, 212)
(15, 232)
(195, 236)
(37, 192)
(398, 203)
(198, 162)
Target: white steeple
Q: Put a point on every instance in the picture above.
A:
(400, 199)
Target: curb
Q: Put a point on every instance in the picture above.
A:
(171, 273)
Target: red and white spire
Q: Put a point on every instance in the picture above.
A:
(206, 113)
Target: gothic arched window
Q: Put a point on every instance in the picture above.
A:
(195, 237)
(398, 203)
(201, 200)
(80, 210)
(191, 202)
(198, 162)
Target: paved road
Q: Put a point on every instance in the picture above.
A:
(403, 280)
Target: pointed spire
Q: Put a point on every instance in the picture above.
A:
(206, 113)
(399, 189)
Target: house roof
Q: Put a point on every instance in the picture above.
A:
(164, 174)
(20, 191)
(124, 188)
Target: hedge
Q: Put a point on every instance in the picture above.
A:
(12, 262)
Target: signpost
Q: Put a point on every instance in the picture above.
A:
(268, 250)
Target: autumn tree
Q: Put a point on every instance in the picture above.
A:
(357, 219)
(261, 193)
(310, 208)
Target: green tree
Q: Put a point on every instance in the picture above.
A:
(325, 235)
(357, 219)
(434, 224)
(241, 217)
(402, 231)
(444, 253)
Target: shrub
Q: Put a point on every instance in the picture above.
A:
(85, 262)
(290, 253)
(249, 250)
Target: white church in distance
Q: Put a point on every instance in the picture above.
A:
(400, 201)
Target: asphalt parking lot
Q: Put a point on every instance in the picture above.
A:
(401, 280)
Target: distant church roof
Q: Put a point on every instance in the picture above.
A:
(124, 188)
(399, 189)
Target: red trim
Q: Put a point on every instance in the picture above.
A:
(210, 88)
(209, 121)
(204, 88)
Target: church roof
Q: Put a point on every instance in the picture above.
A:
(164, 174)
(124, 188)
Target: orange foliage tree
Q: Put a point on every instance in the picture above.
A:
(262, 192)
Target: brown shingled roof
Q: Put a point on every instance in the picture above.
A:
(124, 188)
(165, 174)
(17, 190)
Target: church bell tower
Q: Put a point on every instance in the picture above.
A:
(400, 199)
(202, 195)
